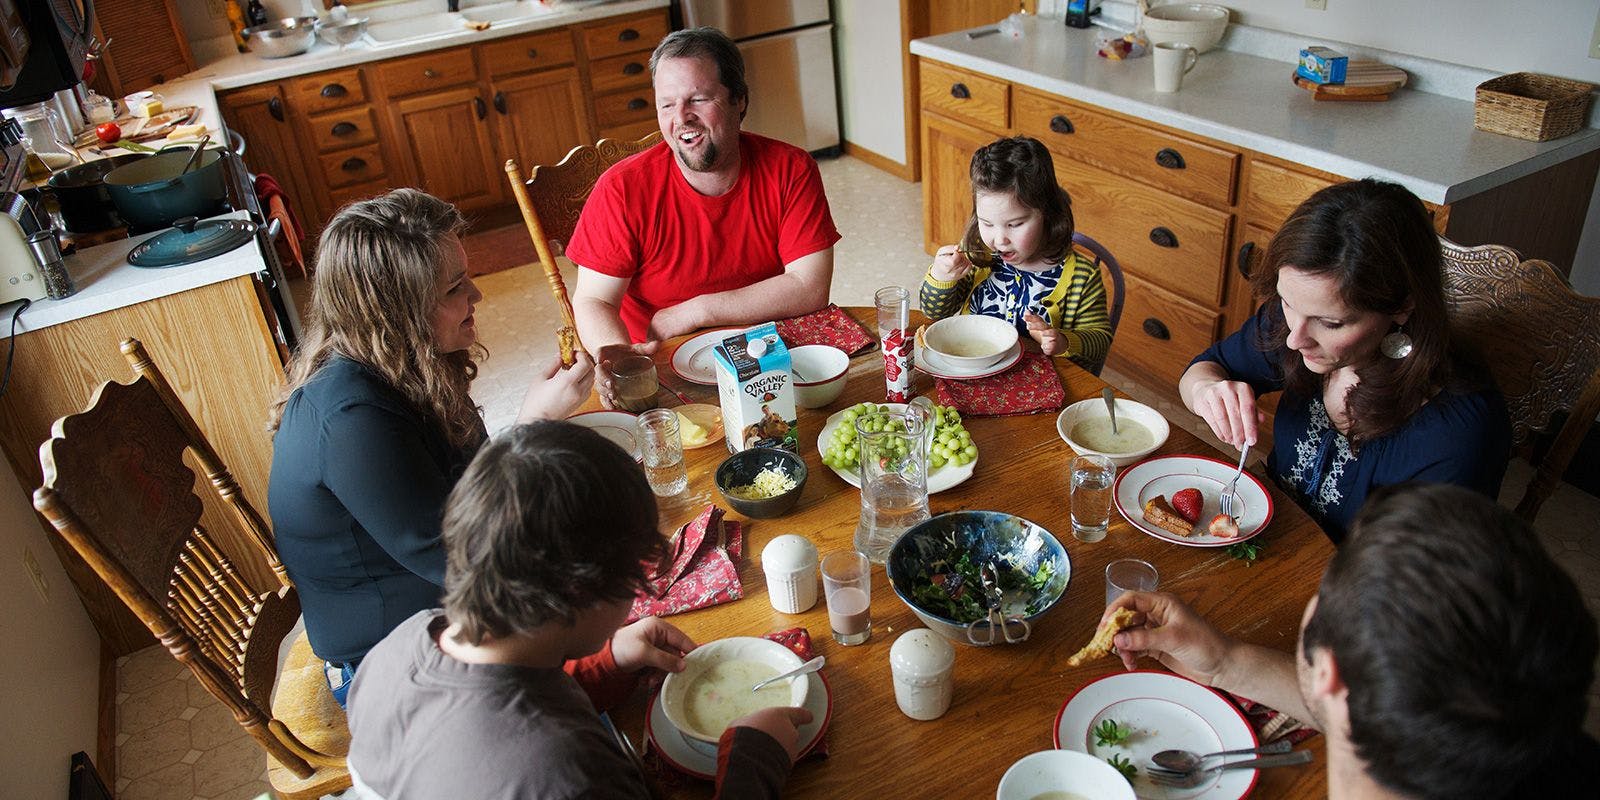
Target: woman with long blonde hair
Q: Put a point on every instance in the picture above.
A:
(377, 423)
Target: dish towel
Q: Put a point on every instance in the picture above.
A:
(1029, 387)
(830, 326)
(1270, 723)
(275, 204)
(697, 571)
(796, 639)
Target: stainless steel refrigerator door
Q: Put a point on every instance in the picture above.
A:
(742, 19)
(792, 91)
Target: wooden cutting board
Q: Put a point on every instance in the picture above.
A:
(1363, 80)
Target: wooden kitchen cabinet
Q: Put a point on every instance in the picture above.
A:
(261, 114)
(443, 138)
(538, 115)
(947, 148)
(622, 100)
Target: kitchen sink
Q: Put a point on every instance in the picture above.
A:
(514, 11)
(411, 29)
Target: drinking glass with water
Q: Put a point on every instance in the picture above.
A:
(1092, 479)
(661, 449)
(894, 481)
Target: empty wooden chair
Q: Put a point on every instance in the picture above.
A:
(1542, 343)
(117, 489)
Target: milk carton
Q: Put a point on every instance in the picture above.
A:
(756, 388)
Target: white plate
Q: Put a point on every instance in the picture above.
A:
(699, 759)
(931, 363)
(1165, 475)
(1165, 711)
(945, 477)
(695, 361)
(618, 426)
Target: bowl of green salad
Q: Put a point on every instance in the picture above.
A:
(937, 568)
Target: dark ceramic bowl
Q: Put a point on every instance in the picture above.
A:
(740, 469)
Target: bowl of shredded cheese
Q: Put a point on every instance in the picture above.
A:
(762, 482)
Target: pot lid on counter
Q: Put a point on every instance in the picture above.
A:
(191, 240)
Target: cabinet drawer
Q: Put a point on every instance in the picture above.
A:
(527, 53)
(1186, 167)
(1176, 243)
(426, 72)
(625, 108)
(339, 198)
(965, 95)
(353, 166)
(1275, 191)
(314, 93)
(344, 128)
(626, 71)
(1160, 333)
(626, 35)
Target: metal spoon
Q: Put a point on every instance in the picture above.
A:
(199, 147)
(1185, 761)
(804, 669)
(1111, 406)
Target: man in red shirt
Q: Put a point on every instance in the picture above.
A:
(713, 226)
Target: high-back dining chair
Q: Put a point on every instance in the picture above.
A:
(553, 197)
(1542, 343)
(1108, 266)
(117, 489)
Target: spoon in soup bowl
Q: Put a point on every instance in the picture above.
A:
(804, 669)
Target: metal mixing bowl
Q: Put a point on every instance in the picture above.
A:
(281, 38)
(341, 32)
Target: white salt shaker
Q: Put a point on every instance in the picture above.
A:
(790, 563)
(923, 664)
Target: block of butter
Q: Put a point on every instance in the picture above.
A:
(146, 107)
(194, 131)
(1322, 65)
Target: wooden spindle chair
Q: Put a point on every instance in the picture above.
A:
(118, 490)
(1542, 343)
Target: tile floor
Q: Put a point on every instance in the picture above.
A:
(176, 742)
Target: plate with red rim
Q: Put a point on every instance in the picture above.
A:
(1166, 475)
(695, 360)
(930, 363)
(618, 426)
(1165, 711)
(696, 758)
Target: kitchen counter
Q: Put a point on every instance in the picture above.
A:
(1423, 141)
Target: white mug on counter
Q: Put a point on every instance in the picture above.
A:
(1172, 60)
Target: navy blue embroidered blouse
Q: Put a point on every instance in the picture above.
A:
(1458, 438)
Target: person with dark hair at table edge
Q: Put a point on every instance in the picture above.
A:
(1444, 656)
(496, 695)
(713, 226)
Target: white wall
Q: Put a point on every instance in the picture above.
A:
(871, 97)
(49, 662)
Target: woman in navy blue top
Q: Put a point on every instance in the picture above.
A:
(1353, 332)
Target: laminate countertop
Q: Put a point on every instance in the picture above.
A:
(1422, 141)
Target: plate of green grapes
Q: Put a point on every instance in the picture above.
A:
(953, 458)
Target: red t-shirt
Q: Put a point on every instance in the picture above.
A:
(646, 223)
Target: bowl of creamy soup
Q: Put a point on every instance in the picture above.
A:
(714, 688)
(1063, 775)
(969, 341)
(1086, 427)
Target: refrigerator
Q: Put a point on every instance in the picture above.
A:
(788, 62)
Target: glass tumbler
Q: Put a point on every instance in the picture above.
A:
(661, 449)
(847, 586)
(633, 379)
(894, 315)
(894, 482)
(1092, 480)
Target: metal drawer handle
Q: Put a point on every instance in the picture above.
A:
(333, 90)
(637, 104)
(1060, 124)
(500, 102)
(480, 107)
(344, 129)
(960, 91)
(1157, 329)
(1163, 237)
(1247, 251)
(275, 108)
(627, 35)
(532, 54)
(1170, 158)
(430, 73)
(632, 68)
(353, 164)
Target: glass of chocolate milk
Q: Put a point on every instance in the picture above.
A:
(847, 585)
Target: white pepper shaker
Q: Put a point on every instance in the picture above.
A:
(790, 563)
(923, 664)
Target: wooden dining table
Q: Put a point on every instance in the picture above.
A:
(1007, 696)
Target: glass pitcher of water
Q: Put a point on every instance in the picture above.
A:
(894, 481)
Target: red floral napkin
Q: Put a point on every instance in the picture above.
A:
(1270, 723)
(1030, 387)
(698, 571)
(830, 326)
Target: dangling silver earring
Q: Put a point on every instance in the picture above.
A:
(1396, 345)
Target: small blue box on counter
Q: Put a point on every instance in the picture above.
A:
(1322, 65)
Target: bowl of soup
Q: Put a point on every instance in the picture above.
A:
(1063, 775)
(970, 341)
(714, 687)
(1086, 427)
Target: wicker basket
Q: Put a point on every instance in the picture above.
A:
(1531, 106)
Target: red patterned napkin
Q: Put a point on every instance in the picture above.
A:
(1030, 387)
(1270, 723)
(700, 571)
(830, 326)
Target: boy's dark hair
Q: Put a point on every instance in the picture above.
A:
(549, 519)
(1466, 650)
(712, 44)
(1022, 166)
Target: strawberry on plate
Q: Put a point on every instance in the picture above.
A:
(1223, 526)
(1188, 502)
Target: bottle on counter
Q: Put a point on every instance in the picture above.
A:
(236, 24)
(256, 13)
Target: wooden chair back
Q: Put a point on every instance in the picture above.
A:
(1109, 266)
(118, 489)
(1542, 343)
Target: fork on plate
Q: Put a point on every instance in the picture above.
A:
(1189, 780)
(1230, 495)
